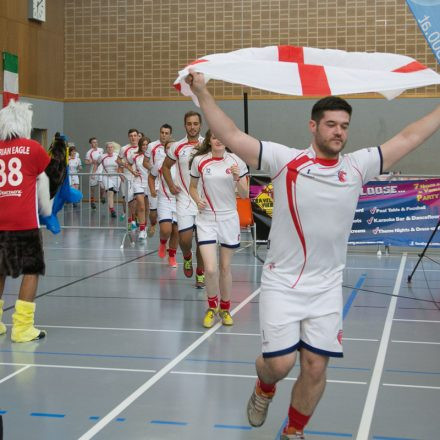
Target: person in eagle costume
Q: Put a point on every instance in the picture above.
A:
(27, 170)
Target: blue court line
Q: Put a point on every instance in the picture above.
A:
(243, 428)
(168, 422)
(411, 372)
(330, 434)
(94, 418)
(376, 437)
(53, 416)
(3, 412)
(120, 419)
(353, 294)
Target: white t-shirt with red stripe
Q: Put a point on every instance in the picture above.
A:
(127, 153)
(109, 163)
(155, 151)
(138, 163)
(93, 155)
(314, 206)
(21, 161)
(181, 152)
(217, 183)
(162, 189)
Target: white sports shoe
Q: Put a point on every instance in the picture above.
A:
(143, 235)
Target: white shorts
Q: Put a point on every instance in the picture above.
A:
(153, 202)
(111, 183)
(74, 180)
(94, 179)
(140, 189)
(127, 189)
(291, 320)
(223, 228)
(185, 222)
(166, 210)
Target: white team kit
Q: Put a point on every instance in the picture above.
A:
(74, 165)
(218, 222)
(140, 183)
(301, 284)
(155, 153)
(166, 202)
(126, 153)
(93, 155)
(181, 152)
(110, 166)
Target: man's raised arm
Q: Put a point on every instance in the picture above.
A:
(411, 137)
(243, 145)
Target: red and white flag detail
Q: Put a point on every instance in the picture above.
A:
(305, 71)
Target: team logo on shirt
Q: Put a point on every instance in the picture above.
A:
(208, 170)
(342, 176)
(340, 337)
(228, 171)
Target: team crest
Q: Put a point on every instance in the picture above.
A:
(340, 332)
(342, 176)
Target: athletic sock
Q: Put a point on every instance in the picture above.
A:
(225, 305)
(296, 420)
(187, 257)
(213, 302)
(163, 241)
(172, 252)
(199, 271)
(266, 388)
(142, 226)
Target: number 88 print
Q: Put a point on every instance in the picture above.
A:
(12, 174)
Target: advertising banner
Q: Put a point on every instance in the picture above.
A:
(427, 15)
(397, 213)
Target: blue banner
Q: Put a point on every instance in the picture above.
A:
(427, 15)
(403, 213)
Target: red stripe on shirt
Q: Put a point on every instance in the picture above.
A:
(414, 66)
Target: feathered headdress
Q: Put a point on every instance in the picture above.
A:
(16, 120)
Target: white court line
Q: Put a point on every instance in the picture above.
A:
(423, 387)
(79, 367)
(15, 373)
(416, 320)
(367, 414)
(416, 342)
(149, 383)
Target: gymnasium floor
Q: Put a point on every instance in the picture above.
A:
(126, 356)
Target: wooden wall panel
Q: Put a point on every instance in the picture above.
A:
(39, 46)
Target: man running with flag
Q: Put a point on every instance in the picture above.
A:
(315, 196)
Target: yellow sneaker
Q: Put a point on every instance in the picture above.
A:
(209, 319)
(226, 317)
(200, 281)
(2, 326)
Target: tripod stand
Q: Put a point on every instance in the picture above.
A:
(424, 250)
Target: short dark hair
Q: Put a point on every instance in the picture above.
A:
(192, 113)
(331, 103)
(167, 126)
(133, 130)
(92, 139)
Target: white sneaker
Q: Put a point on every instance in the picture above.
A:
(143, 235)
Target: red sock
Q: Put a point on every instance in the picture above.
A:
(172, 252)
(111, 209)
(225, 305)
(267, 389)
(199, 271)
(187, 257)
(163, 241)
(130, 219)
(297, 420)
(213, 302)
(142, 227)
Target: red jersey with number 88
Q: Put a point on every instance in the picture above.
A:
(21, 161)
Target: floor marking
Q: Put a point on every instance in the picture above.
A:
(243, 428)
(149, 383)
(353, 295)
(423, 387)
(80, 367)
(15, 373)
(429, 321)
(415, 342)
(166, 422)
(367, 414)
(54, 416)
(393, 370)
